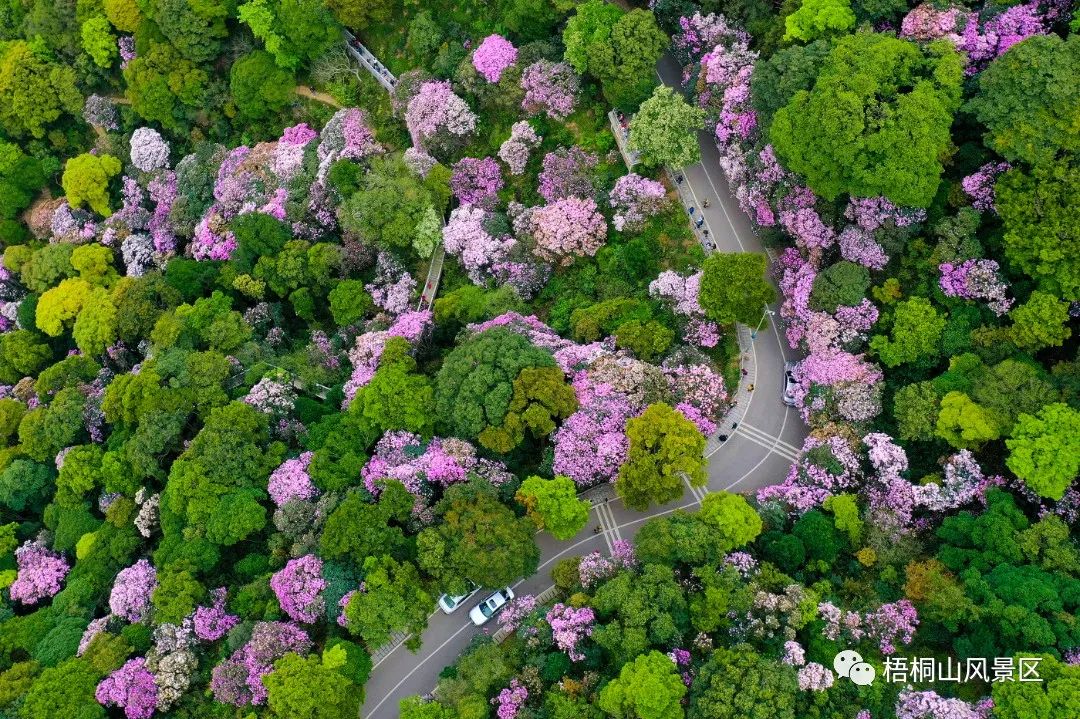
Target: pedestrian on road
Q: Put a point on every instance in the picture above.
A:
(700, 222)
(705, 202)
(692, 210)
(678, 180)
(706, 233)
(750, 387)
(744, 372)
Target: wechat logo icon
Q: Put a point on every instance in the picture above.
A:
(850, 664)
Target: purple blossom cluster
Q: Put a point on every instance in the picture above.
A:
(213, 622)
(964, 482)
(859, 246)
(132, 688)
(595, 567)
(825, 467)
(346, 136)
(976, 280)
(591, 444)
(422, 466)
(101, 111)
(40, 572)
(529, 327)
(436, 111)
(516, 149)
(132, 591)
(569, 626)
(493, 56)
(476, 181)
(393, 286)
(510, 700)
(634, 199)
(298, 588)
(979, 185)
(566, 229)
(149, 150)
(551, 88)
(517, 611)
(567, 173)
(726, 71)
(272, 396)
(238, 679)
(700, 33)
(467, 238)
(872, 213)
(815, 677)
(291, 481)
(911, 704)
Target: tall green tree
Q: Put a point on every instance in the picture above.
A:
(293, 31)
(394, 600)
(739, 683)
(664, 130)
(310, 688)
(876, 121)
(541, 398)
(35, 91)
(259, 87)
(666, 451)
(915, 335)
(818, 18)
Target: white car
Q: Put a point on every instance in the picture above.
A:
(485, 610)
(450, 604)
(789, 384)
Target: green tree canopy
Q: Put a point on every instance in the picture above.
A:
(553, 505)
(477, 538)
(664, 130)
(34, 90)
(735, 288)
(293, 31)
(1029, 100)
(818, 18)
(474, 387)
(307, 688)
(666, 451)
(1044, 450)
(738, 683)
(916, 333)
(876, 121)
(394, 600)
(732, 517)
(259, 87)
(647, 688)
(1042, 224)
(86, 181)
(541, 398)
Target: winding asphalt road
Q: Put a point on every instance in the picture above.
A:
(757, 453)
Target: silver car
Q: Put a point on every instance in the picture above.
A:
(789, 384)
(450, 604)
(485, 610)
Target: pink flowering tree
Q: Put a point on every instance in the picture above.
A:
(551, 88)
(238, 679)
(567, 229)
(569, 626)
(492, 56)
(298, 588)
(567, 173)
(634, 199)
(516, 149)
(826, 467)
(591, 444)
(40, 573)
(436, 117)
(976, 280)
(595, 567)
(132, 688)
(516, 612)
(510, 700)
(213, 622)
(911, 704)
(979, 185)
(346, 136)
(132, 590)
(476, 181)
(467, 238)
(291, 481)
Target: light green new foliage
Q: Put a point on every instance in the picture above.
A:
(86, 181)
(98, 41)
(916, 333)
(1045, 449)
(732, 516)
(553, 505)
(665, 130)
(817, 18)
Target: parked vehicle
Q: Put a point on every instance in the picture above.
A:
(485, 610)
(789, 384)
(450, 604)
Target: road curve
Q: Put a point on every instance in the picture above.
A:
(758, 452)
